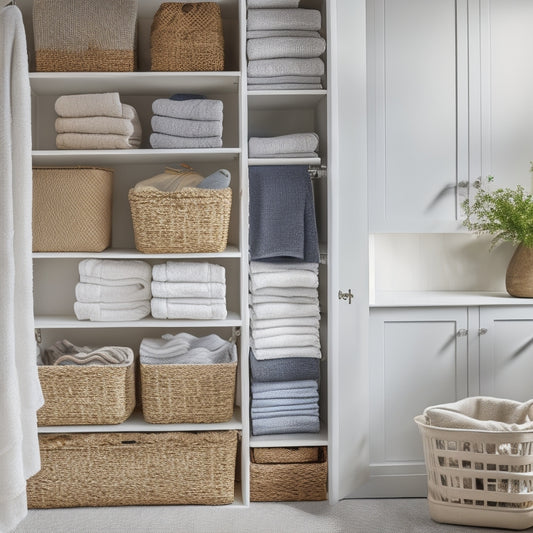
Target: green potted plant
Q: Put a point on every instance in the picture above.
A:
(507, 215)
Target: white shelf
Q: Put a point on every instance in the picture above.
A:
(151, 155)
(70, 321)
(136, 423)
(134, 83)
(291, 440)
(116, 253)
(265, 100)
(284, 161)
(444, 298)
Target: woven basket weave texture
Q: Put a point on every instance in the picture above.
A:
(188, 221)
(85, 35)
(86, 395)
(187, 37)
(107, 469)
(72, 209)
(304, 454)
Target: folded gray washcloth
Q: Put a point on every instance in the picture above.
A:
(196, 109)
(160, 140)
(286, 424)
(295, 143)
(220, 179)
(285, 66)
(286, 369)
(186, 128)
(284, 389)
(286, 87)
(285, 79)
(254, 4)
(280, 402)
(275, 47)
(261, 34)
(282, 214)
(284, 19)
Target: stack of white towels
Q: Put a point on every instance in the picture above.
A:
(96, 122)
(284, 46)
(113, 290)
(284, 146)
(188, 290)
(186, 123)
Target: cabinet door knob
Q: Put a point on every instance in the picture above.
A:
(462, 333)
(482, 331)
(346, 296)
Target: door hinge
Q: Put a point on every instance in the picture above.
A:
(346, 296)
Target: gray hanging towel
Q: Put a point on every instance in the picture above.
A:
(282, 214)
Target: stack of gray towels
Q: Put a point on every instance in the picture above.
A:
(66, 353)
(284, 146)
(284, 46)
(186, 121)
(189, 290)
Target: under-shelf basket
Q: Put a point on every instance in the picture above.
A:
(108, 469)
(188, 221)
(479, 478)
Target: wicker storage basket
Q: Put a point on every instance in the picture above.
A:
(107, 469)
(85, 35)
(72, 209)
(86, 394)
(188, 221)
(282, 481)
(177, 394)
(479, 478)
(187, 37)
(304, 454)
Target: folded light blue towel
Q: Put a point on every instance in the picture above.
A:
(187, 96)
(186, 128)
(160, 140)
(285, 369)
(277, 414)
(284, 19)
(281, 402)
(286, 424)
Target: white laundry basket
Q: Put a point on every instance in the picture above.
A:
(479, 478)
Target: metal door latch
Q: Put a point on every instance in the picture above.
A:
(346, 296)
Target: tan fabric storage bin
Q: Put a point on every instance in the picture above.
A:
(288, 482)
(86, 394)
(109, 469)
(187, 37)
(72, 209)
(177, 394)
(85, 35)
(188, 221)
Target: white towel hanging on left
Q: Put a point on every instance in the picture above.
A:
(20, 392)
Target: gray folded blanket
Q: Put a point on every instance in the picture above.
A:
(186, 128)
(160, 140)
(284, 79)
(282, 214)
(258, 414)
(275, 47)
(295, 143)
(254, 4)
(196, 109)
(261, 34)
(279, 402)
(284, 19)
(286, 87)
(286, 424)
(263, 68)
(285, 369)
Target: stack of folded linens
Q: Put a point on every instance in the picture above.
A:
(284, 146)
(96, 122)
(186, 122)
(66, 353)
(188, 290)
(113, 290)
(284, 46)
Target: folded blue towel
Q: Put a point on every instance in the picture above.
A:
(285, 369)
(279, 402)
(282, 214)
(187, 96)
(288, 412)
(286, 424)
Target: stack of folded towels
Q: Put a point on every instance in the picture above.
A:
(188, 290)
(113, 290)
(65, 353)
(285, 347)
(284, 46)
(186, 121)
(288, 146)
(187, 349)
(96, 122)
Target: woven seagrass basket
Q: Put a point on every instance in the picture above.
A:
(479, 478)
(304, 454)
(76, 395)
(85, 35)
(71, 209)
(177, 394)
(108, 469)
(187, 37)
(279, 481)
(188, 221)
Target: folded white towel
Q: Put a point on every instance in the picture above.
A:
(282, 341)
(265, 266)
(284, 19)
(293, 143)
(285, 79)
(97, 141)
(284, 310)
(305, 321)
(89, 105)
(285, 87)
(275, 47)
(189, 272)
(288, 279)
(111, 312)
(175, 308)
(114, 272)
(285, 291)
(289, 351)
(255, 299)
(287, 330)
(92, 292)
(172, 179)
(169, 289)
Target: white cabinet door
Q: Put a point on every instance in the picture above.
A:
(506, 352)
(418, 358)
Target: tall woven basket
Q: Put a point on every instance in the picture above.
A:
(85, 35)
(187, 37)
(106, 469)
(188, 221)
